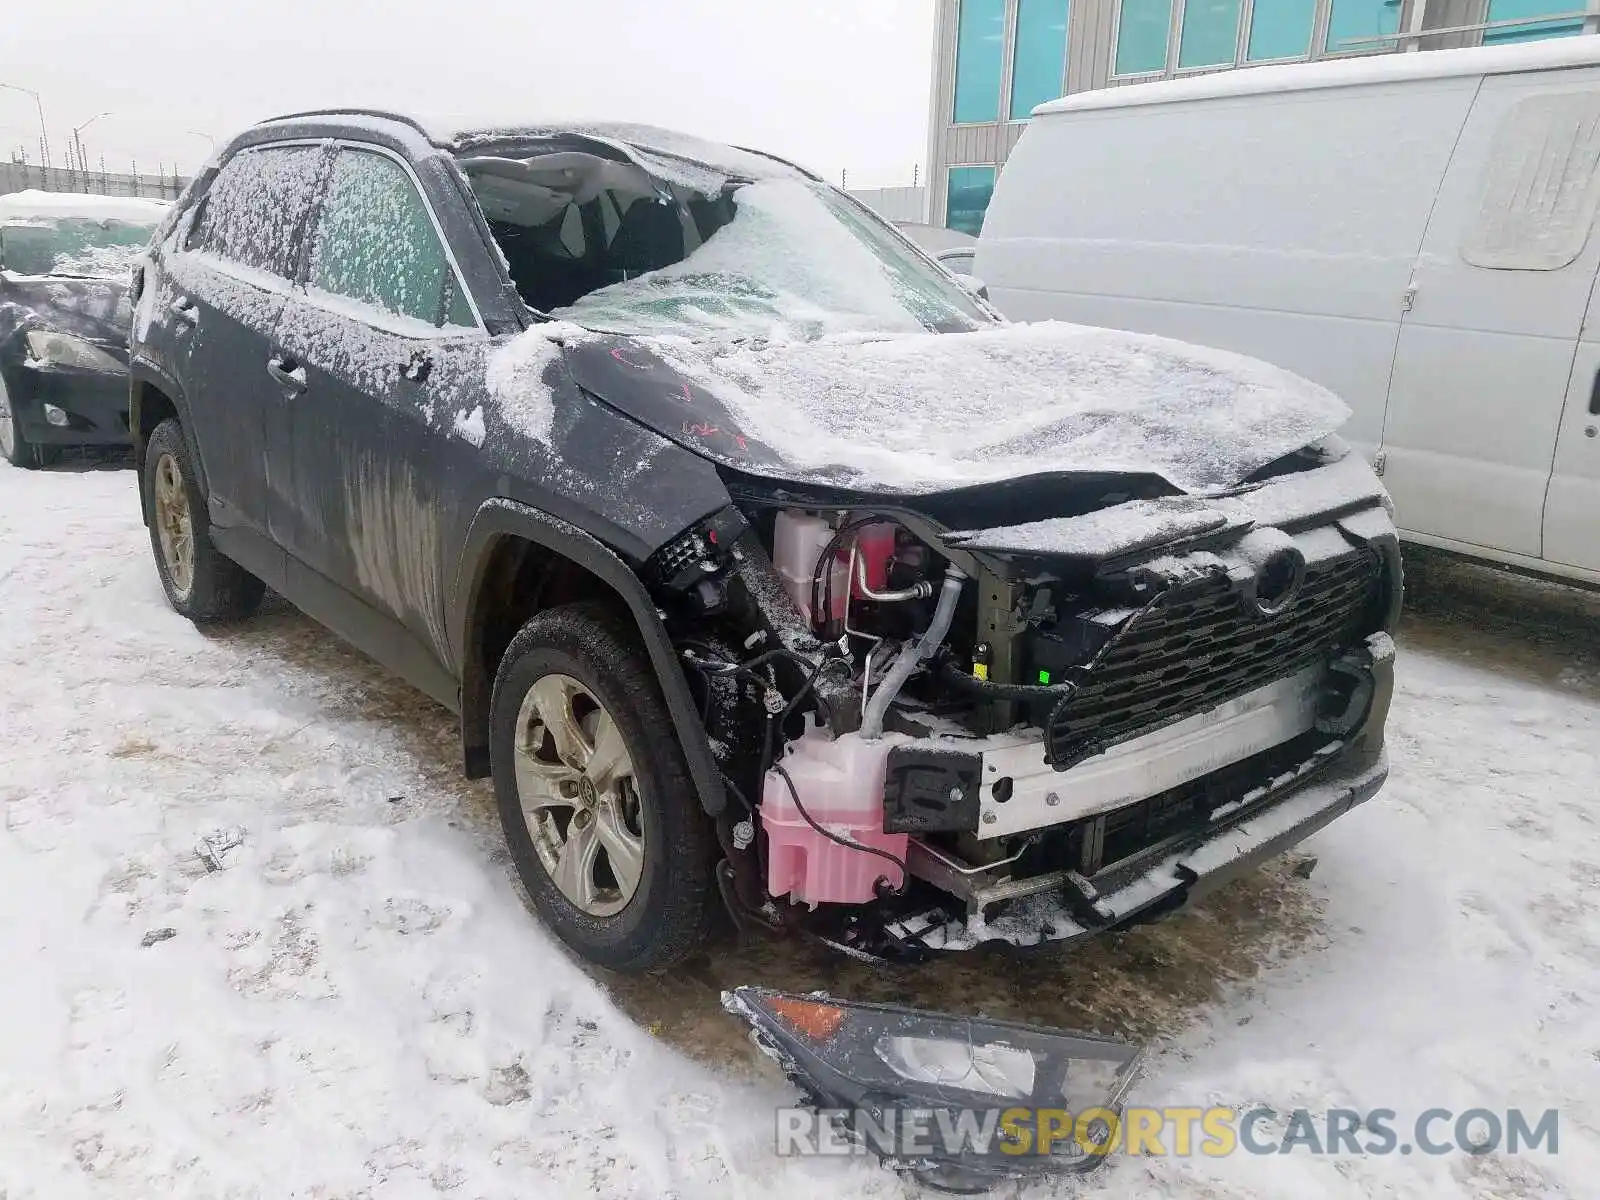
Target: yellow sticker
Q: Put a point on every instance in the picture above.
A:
(980, 670)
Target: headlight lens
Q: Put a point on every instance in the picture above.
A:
(976, 1067)
(48, 349)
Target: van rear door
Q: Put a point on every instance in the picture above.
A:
(1500, 290)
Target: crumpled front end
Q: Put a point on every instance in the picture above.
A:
(979, 720)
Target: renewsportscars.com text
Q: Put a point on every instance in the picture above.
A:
(1169, 1131)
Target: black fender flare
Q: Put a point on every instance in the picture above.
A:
(499, 518)
(142, 372)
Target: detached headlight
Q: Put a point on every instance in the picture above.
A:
(47, 349)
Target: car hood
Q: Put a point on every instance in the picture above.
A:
(94, 309)
(919, 413)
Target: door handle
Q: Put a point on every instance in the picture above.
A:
(289, 374)
(186, 310)
(1594, 396)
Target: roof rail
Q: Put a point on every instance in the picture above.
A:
(353, 112)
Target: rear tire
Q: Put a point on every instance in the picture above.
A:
(201, 582)
(600, 814)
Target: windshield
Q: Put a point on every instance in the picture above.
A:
(690, 251)
(76, 246)
(795, 259)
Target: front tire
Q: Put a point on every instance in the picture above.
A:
(201, 582)
(599, 811)
(14, 446)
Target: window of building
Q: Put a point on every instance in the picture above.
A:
(255, 207)
(967, 198)
(1210, 33)
(1511, 10)
(1541, 186)
(1281, 28)
(1142, 30)
(980, 58)
(1357, 25)
(377, 245)
(1039, 66)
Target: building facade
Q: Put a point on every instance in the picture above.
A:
(996, 60)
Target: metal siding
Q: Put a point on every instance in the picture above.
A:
(1444, 14)
(1089, 36)
(943, 102)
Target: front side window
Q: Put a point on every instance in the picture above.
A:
(1142, 30)
(1039, 67)
(1281, 29)
(256, 207)
(376, 244)
(980, 55)
(1210, 33)
(1357, 25)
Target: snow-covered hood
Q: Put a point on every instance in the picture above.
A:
(917, 413)
(94, 309)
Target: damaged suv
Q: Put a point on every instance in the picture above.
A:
(765, 565)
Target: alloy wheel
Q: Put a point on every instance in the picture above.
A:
(579, 795)
(174, 525)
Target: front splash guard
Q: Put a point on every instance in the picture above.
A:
(980, 1081)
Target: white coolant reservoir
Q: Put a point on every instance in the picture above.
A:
(840, 782)
(798, 540)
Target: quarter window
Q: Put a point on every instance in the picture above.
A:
(980, 54)
(256, 207)
(1541, 185)
(377, 245)
(1038, 70)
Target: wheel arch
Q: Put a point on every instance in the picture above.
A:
(507, 543)
(153, 396)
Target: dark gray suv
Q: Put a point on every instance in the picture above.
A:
(768, 569)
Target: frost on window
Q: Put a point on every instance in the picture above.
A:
(257, 205)
(376, 244)
(1541, 186)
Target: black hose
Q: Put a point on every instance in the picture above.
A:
(962, 682)
(824, 569)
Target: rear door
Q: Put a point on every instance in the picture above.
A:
(224, 291)
(390, 358)
(1501, 286)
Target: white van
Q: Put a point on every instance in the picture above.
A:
(1412, 230)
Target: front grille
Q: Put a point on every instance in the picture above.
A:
(1203, 647)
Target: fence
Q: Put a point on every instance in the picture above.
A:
(20, 176)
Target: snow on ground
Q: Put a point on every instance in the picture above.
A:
(353, 1000)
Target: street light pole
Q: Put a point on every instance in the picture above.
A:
(83, 163)
(44, 134)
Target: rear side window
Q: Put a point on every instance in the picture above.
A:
(1541, 185)
(376, 244)
(256, 207)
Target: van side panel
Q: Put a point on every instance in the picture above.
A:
(1572, 505)
(1283, 226)
(1486, 354)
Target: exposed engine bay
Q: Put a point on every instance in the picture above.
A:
(934, 737)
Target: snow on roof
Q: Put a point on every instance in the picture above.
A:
(36, 205)
(745, 163)
(1344, 72)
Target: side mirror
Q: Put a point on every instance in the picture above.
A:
(974, 286)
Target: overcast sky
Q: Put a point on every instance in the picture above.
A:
(835, 84)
